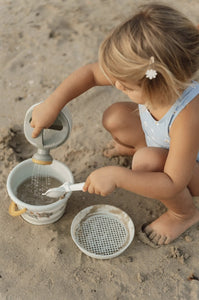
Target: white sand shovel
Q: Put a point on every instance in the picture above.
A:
(64, 188)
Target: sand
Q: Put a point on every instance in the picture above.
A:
(41, 43)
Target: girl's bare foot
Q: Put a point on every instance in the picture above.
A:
(169, 227)
(115, 149)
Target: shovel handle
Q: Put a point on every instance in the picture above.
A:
(13, 212)
(76, 186)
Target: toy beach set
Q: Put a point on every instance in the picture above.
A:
(40, 187)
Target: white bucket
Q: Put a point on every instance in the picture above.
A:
(37, 214)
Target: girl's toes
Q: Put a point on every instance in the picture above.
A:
(110, 153)
(146, 229)
(156, 239)
(162, 240)
(152, 236)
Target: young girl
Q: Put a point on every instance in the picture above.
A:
(153, 58)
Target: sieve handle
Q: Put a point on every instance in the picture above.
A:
(15, 213)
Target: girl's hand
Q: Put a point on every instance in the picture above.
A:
(43, 116)
(101, 182)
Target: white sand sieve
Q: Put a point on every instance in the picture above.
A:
(102, 231)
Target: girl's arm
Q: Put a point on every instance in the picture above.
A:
(74, 85)
(178, 168)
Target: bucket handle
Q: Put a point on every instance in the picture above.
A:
(13, 212)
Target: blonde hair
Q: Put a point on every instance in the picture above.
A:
(157, 31)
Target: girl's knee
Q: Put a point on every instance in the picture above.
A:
(149, 159)
(118, 115)
(140, 163)
(112, 116)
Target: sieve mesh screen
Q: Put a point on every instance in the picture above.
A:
(101, 234)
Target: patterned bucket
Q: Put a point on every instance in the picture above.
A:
(37, 214)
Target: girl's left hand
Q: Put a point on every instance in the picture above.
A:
(101, 182)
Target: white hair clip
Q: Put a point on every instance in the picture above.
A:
(151, 73)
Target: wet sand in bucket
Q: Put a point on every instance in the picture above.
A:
(30, 191)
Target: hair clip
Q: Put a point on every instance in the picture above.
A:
(151, 73)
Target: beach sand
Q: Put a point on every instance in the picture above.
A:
(42, 42)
